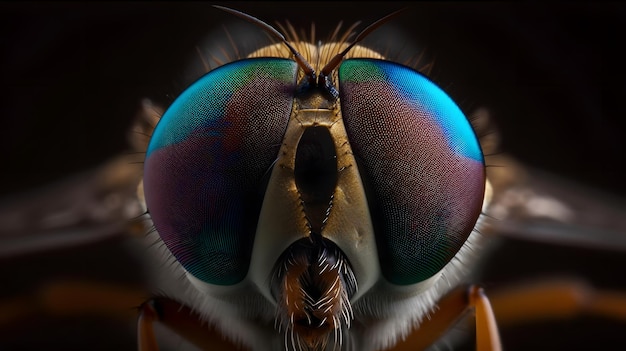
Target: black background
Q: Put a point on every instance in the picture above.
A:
(73, 76)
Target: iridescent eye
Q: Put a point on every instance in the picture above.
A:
(206, 163)
(311, 183)
(421, 160)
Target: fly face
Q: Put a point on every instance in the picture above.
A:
(55, 244)
(325, 191)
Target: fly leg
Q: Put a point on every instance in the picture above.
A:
(450, 310)
(556, 299)
(72, 299)
(180, 319)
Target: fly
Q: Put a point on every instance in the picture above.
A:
(316, 157)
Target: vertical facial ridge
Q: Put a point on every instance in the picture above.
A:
(316, 175)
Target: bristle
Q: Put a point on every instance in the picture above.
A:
(312, 284)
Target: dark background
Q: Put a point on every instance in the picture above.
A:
(73, 75)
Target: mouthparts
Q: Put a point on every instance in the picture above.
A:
(312, 284)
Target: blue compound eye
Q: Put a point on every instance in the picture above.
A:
(421, 160)
(204, 168)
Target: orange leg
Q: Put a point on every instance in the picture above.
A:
(182, 321)
(146, 340)
(451, 308)
(487, 336)
(72, 298)
(556, 299)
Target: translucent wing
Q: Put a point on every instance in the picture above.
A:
(84, 208)
(535, 205)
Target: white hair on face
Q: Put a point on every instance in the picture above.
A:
(247, 318)
(394, 314)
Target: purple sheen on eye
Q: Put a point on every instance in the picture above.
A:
(204, 169)
(426, 190)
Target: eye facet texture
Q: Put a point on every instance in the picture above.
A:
(422, 162)
(206, 161)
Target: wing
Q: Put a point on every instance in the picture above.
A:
(535, 205)
(85, 208)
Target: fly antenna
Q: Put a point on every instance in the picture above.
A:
(335, 61)
(302, 63)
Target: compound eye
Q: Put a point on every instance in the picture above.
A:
(206, 161)
(421, 161)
